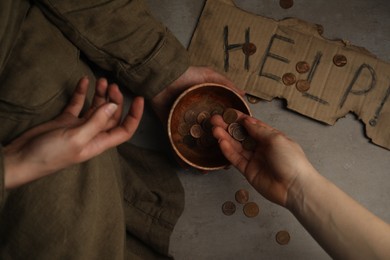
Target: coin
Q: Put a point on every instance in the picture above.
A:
(339, 60)
(231, 127)
(303, 85)
(190, 117)
(302, 67)
(251, 209)
(217, 109)
(230, 116)
(289, 79)
(196, 131)
(228, 208)
(286, 4)
(239, 133)
(183, 129)
(249, 48)
(282, 237)
(320, 29)
(242, 196)
(202, 116)
(252, 99)
(249, 144)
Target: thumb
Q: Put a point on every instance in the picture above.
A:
(97, 122)
(257, 129)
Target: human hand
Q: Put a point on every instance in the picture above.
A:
(273, 166)
(70, 139)
(192, 76)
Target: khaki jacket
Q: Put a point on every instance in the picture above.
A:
(113, 206)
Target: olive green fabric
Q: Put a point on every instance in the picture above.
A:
(114, 206)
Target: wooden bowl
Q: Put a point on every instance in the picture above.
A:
(201, 150)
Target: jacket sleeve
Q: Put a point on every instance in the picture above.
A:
(121, 36)
(3, 192)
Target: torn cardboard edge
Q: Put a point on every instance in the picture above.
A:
(259, 53)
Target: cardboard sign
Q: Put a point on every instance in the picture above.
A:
(289, 59)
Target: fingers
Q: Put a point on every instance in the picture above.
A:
(78, 98)
(96, 123)
(233, 154)
(106, 93)
(258, 130)
(115, 96)
(100, 96)
(94, 136)
(122, 133)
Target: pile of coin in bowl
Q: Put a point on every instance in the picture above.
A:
(196, 128)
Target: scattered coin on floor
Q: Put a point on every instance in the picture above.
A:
(251, 209)
(252, 99)
(339, 60)
(320, 29)
(228, 208)
(230, 116)
(242, 196)
(286, 4)
(302, 67)
(289, 79)
(282, 237)
(302, 85)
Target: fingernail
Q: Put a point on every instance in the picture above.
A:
(111, 108)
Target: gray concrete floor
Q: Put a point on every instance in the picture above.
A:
(341, 153)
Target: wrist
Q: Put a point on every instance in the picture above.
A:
(301, 188)
(12, 176)
(17, 170)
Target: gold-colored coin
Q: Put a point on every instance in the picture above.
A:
(302, 67)
(286, 4)
(228, 208)
(339, 60)
(302, 85)
(196, 131)
(251, 209)
(252, 99)
(249, 48)
(282, 237)
(230, 116)
(289, 79)
(249, 144)
(242, 196)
